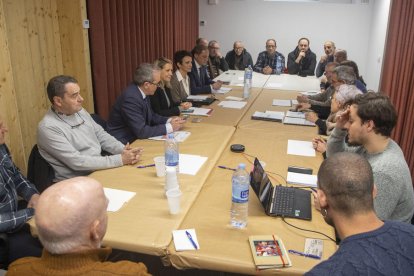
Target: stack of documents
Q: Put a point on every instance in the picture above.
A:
(275, 116)
(199, 111)
(197, 97)
(296, 118)
(117, 198)
(232, 104)
(302, 178)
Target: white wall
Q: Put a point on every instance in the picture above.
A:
(254, 21)
(376, 43)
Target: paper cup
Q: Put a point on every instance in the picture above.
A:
(174, 197)
(160, 165)
(171, 181)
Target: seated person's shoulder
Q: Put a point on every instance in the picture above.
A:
(20, 265)
(125, 268)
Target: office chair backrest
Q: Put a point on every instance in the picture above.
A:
(39, 171)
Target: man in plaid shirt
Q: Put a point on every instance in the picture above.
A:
(12, 185)
(270, 61)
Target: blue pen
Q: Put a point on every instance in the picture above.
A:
(304, 254)
(145, 166)
(226, 168)
(191, 239)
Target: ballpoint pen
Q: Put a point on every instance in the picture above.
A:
(226, 168)
(304, 254)
(190, 238)
(145, 166)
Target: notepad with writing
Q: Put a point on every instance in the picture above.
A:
(269, 252)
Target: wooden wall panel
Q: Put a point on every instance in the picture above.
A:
(8, 104)
(41, 39)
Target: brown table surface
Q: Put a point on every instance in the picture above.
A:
(225, 249)
(144, 224)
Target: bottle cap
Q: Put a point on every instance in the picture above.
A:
(242, 166)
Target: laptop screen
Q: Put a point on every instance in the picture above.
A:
(260, 183)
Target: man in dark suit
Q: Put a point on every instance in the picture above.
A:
(200, 81)
(132, 117)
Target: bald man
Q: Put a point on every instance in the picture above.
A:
(71, 221)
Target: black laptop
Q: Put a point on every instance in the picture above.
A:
(280, 200)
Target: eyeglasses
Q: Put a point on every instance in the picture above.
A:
(157, 84)
(270, 46)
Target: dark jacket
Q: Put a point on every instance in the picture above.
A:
(245, 61)
(199, 84)
(307, 65)
(132, 117)
(161, 105)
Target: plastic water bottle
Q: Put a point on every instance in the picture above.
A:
(246, 90)
(248, 75)
(279, 65)
(240, 197)
(171, 152)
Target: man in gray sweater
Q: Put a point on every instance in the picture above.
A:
(70, 140)
(368, 121)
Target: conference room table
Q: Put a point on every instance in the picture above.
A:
(292, 82)
(144, 224)
(226, 249)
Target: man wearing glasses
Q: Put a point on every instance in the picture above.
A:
(70, 140)
(270, 61)
(239, 58)
(216, 62)
(132, 117)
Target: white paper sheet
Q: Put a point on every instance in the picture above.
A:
(301, 178)
(302, 148)
(274, 85)
(232, 104)
(180, 136)
(117, 198)
(182, 242)
(191, 164)
(310, 92)
(223, 90)
(271, 115)
(278, 102)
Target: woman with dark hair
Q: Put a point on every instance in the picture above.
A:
(162, 102)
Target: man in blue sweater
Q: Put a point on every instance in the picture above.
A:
(368, 245)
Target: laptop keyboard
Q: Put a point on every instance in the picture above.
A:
(284, 200)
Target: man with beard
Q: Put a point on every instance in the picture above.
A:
(368, 122)
(368, 245)
(270, 61)
(329, 48)
(302, 61)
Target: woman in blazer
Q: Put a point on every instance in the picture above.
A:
(180, 81)
(162, 102)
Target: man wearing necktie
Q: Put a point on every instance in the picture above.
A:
(132, 116)
(200, 82)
